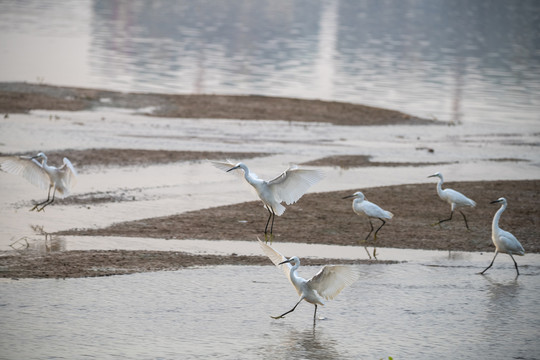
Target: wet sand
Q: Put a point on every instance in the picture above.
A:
(23, 97)
(317, 218)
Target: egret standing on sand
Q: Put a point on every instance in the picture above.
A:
(454, 198)
(325, 285)
(287, 187)
(40, 174)
(362, 206)
(504, 241)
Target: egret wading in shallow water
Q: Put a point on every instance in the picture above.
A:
(325, 285)
(287, 187)
(454, 198)
(61, 179)
(504, 241)
(363, 207)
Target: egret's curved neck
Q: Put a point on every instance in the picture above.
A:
(439, 185)
(495, 224)
(294, 277)
(247, 174)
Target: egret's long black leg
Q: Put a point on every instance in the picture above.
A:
(267, 221)
(375, 235)
(48, 202)
(496, 252)
(43, 202)
(315, 315)
(441, 221)
(375, 238)
(272, 227)
(290, 311)
(515, 263)
(370, 231)
(464, 218)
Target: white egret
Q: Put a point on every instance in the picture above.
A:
(287, 187)
(62, 179)
(363, 207)
(504, 241)
(325, 285)
(454, 198)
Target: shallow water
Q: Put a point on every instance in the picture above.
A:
(454, 60)
(410, 310)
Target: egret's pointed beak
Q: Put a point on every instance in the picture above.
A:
(348, 196)
(432, 175)
(286, 261)
(233, 168)
(495, 201)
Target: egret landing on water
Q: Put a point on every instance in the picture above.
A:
(504, 241)
(325, 285)
(454, 198)
(362, 206)
(287, 187)
(40, 174)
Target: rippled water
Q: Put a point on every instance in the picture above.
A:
(408, 311)
(454, 60)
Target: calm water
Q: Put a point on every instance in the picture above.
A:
(408, 311)
(455, 60)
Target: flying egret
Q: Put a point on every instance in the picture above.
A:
(287, 187)
(362, 206)
(62, 179)
(504, 241)
(454, 198)
(325, 285)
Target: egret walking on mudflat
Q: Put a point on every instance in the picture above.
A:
(325, 285)
(362, 206)
(61, 179)
(287, 187)
(504, 241)
(454, 198)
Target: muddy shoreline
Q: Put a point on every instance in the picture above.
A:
(317, 218)
(23, 97)
(415, 207)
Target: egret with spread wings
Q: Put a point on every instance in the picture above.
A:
(325, 285)
(59, 179)
(287, 187)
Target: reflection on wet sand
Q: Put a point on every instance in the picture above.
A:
(49, 243)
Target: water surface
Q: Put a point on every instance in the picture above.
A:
(453, 60)
(410, 310)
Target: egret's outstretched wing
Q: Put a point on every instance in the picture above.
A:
(223, 165)
(290, 185)
(276, 258)
(227, 165)
(331, 279)
(28, 168)
(70, 174)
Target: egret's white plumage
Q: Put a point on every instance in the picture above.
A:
(454, 198)
(504, 241)
(40, 174)
(287, 187)
(325, 285)
(363, 207)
